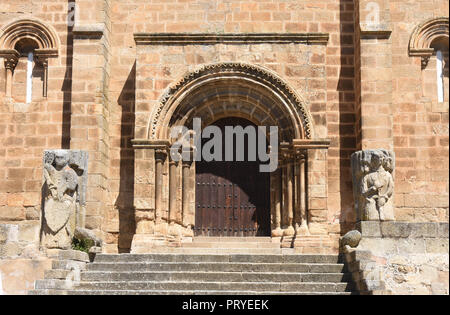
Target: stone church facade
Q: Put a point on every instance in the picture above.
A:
(89, 91)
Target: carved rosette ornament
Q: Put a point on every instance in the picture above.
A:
(64, 193)
(373, 184)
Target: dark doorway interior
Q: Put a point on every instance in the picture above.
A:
(232, 198)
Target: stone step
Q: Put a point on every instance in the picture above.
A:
(54, 284)
(231, 245)
(216, 286)
(194, 250)
(68, 265)
(174, 292)
(56, 274)
(232, 239)
(220, 266)
(237, 258)
(214, 276)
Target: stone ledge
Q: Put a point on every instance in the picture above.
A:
(391, 229)
(211, 39)
(375, 34)
(73, 255)
(95, 31)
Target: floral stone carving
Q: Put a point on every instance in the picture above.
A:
(64, 196)
(373, 184)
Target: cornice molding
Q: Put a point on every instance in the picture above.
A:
(212, 39)
(93, 31)
(378, 34)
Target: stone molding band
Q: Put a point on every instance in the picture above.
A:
(211, 39)
(94, 31)
(379, 34)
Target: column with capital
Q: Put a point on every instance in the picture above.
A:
(275, 184)
(187, 191)
(173, 190)
(160, 158)
(301, 214)
(11, 59)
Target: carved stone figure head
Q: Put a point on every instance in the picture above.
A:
(375, 162)
(61, 159)
(365, 167)
(388, 164)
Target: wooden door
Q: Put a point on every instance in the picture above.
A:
(232, 198)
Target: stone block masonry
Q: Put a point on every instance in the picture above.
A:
(337, 77)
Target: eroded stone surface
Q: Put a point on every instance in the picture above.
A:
(373, 184)
(351, 239)
(65, 175)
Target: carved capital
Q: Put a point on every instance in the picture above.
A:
(160, 155)
(175, 159)
(300, 155)
(11, 57)
(43, 61)
(187, 164)
(424, 61)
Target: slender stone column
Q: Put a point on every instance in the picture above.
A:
(297, 208)
(160, 157)
(283, 195)
(289, 231)
(45, 65)
(276, 231)
(11, 60)
(185, 196)
(173, 188)
(303, 229)
(42, 58)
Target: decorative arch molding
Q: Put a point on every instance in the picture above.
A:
(293, 104)
(424, 35)
(42, 35)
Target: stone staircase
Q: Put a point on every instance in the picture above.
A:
(210, 266)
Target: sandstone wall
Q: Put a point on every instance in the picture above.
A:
(91, 102)
(329, 89)
(410, 258)
(26, 130)
(420, 124)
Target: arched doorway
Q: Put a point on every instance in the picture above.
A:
(166, 188)
(232, 197)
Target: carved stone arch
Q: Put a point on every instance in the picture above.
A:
(424, 35)
(43, 37)
(207, 81)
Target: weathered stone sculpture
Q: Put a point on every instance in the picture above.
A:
(373, 184)
(65, 179)
(351, 239)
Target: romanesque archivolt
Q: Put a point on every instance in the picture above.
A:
(263, 76)
(64, 196)
(424, 35)
(373, 184)
(43, 37)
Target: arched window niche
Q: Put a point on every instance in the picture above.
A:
(26, 46)
(430, 41)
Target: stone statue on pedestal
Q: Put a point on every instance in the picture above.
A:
(373, 184)
(65, 176)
